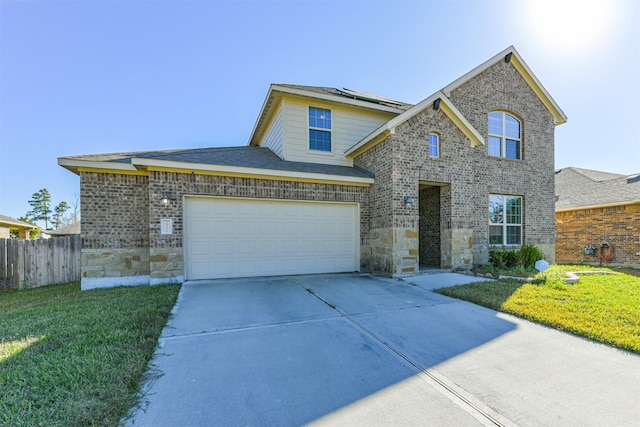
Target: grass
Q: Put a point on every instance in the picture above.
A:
(72, 358)
(604, 308)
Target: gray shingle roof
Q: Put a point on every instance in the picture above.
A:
(351, 94)
(577, 187)
(67, 230)
(241, 156)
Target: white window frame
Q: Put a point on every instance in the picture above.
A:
(437, 145)
(503, 135)
(504, 220)
(327, 130)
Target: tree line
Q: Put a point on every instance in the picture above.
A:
(54, 217)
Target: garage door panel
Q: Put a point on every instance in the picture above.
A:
(224, 228)
(199, 247)
(245, 237)
(247, 247)
(247, 227)
(290, 247)
(221, 248)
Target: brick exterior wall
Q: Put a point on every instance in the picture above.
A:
(122, 213)
(617, 225)
(115, 227)
(121, 217)
(466, 175)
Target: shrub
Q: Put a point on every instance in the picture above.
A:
(496, 257)
(511, 258)
(529, 254)
(525, 257)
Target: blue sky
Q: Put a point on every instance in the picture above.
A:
(100, 76)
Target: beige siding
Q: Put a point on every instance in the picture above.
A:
(274, 135)
(349, 127)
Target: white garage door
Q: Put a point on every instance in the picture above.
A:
(243, 237)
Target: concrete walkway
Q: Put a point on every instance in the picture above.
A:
(360, 350)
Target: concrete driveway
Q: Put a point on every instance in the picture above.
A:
(355, 349)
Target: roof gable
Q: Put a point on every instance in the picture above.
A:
(345, 97)
(442, 97)
(512, 56)
(437, 100)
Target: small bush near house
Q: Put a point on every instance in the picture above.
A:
(507, 259)
(72, 358)
(529, 254)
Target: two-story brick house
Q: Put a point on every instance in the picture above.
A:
(334, 180)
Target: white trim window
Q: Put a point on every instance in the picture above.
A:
(319, 129)
(505, 220)
(434, 145)
(505, 135)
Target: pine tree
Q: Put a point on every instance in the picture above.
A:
(41, 207)
(58, 215)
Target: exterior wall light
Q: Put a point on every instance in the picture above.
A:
(408, 202)
(436, 104)
(166, 198)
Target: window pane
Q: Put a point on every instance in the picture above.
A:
(319, 118)
(496, 209)
(513, 127)
(495, 235)
(494, 146)
(319, 140)
(513, 235)
(434, 145)
(495, 123)
(513, 149)
(514, 210)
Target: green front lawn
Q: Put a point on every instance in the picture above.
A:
(604, 308)
(72, 358)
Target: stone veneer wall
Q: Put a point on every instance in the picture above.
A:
(115, 228)
(618, 225)
(376, 253)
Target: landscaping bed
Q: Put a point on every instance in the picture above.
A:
(72, 358)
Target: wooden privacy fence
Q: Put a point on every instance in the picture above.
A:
(33, 263)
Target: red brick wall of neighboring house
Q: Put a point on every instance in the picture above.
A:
(617, 225)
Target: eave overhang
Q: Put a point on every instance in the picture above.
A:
(142, 166)
(598, 206)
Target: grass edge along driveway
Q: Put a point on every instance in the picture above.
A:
(603, 308)
(73, 358)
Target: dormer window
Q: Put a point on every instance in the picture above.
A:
(319, 129)
(505, 136)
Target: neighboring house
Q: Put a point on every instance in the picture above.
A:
(334, 180)
(596, 211)
(7, 224)
(68, 230)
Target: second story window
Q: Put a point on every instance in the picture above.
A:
(319, 129)
(434, 145)
(505, 135)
